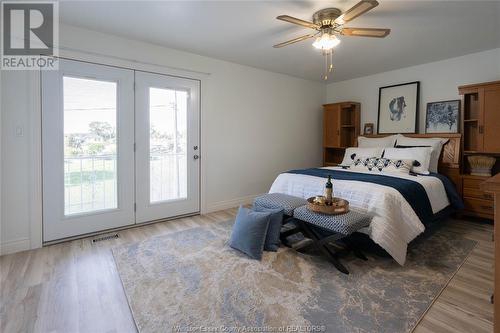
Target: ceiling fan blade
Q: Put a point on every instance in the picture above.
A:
(366, 32)
(358, 9)
(295, 40)
(294, 20)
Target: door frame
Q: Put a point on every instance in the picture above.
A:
(35, 126)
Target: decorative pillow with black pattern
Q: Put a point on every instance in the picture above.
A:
(381, 164)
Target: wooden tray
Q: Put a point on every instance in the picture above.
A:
(339, 206)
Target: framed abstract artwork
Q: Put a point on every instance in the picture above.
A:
(398, 108)
(442, 117)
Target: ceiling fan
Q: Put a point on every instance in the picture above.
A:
(329, 23)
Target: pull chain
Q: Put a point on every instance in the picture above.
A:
(330, 69)
(325, 76)
(328, 54)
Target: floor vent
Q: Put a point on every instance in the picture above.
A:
(104, 237)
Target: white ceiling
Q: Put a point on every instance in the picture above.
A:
(244, 31)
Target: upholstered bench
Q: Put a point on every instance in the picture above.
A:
(321, 229)
(286, 202)
(325, 229)
(279, 200)
(344, 224)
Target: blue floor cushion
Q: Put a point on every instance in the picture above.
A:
(249, 232)
(273, 231)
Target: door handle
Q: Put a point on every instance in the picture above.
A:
(196, 157)
(481, 129)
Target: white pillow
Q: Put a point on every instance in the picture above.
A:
(382, 165)
(385, 142)
(435, 143)
(421, 154)
(360, 153)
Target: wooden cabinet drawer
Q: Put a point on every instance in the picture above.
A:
(472, 182)
(478, 194)
(479, 205)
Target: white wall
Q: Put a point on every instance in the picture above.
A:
(438, 82)
(255, 124)
(15, 174)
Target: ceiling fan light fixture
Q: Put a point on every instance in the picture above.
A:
(326, 42)
(340, 20)
(329, 23)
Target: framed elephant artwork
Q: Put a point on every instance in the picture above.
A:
(398, 108)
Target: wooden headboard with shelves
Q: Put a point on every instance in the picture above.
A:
(449, 161)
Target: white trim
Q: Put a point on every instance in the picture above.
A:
(17, 245)
(36, 161)
(67, 52)
(221, 205)
(131, 64)
(1, 159)
(204, 100)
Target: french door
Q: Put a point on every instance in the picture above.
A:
(115, 154)
(167, 150)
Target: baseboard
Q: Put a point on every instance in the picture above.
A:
(16, 245)
(23, 244)
(221, 205)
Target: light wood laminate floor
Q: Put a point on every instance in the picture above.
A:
(74, 286)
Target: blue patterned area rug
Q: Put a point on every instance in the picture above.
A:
(191, 281)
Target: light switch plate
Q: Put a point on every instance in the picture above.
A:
(19, 131)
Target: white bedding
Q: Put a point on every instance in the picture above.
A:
(394, 224)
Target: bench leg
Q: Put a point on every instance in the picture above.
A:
(289, 232)
(357, 252)
(330, 255)
(333, 257)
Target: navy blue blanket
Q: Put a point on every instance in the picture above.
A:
(413, 192)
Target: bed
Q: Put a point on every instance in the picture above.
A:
(401, 204)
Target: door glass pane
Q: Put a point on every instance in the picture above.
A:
(90, 173)
(167, 144)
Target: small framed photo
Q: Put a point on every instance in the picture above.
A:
(398, 108)
(442, 117)
(368, 130)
